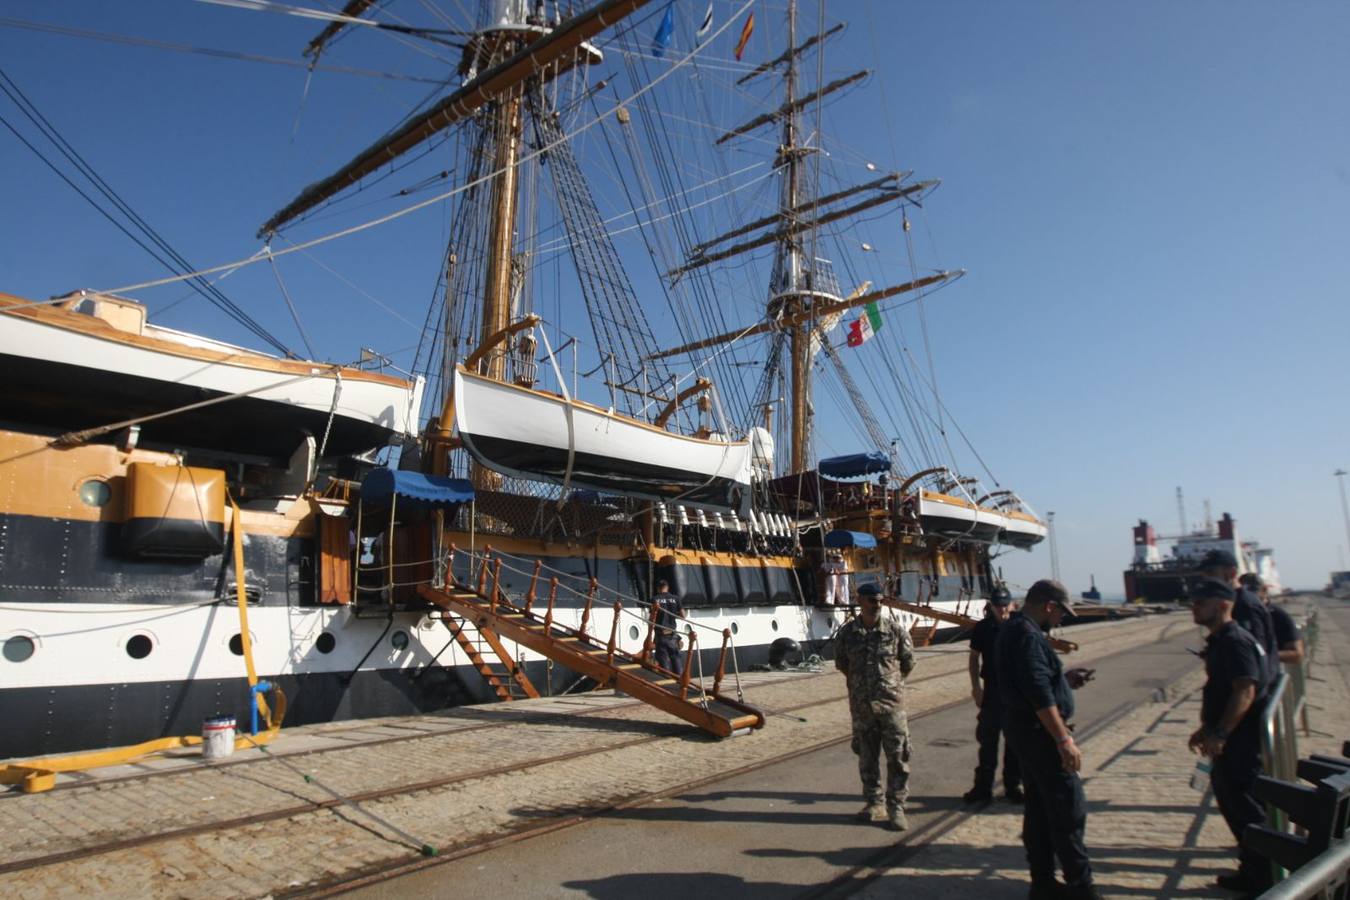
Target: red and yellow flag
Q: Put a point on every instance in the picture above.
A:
(745, 34)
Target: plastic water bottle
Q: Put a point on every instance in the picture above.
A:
(1200, 777)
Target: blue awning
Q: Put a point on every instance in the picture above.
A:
(842, 539)
(855, 464)
(423, 490)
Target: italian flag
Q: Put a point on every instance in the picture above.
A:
(863, 327)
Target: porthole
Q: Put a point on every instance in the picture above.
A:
(735, 629)
(325, 643)
(19, 648)
(139, 646)
(237, 645)
(399, 639)
(773, 623)
(95, 492)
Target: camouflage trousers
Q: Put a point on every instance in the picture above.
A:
(877, 731)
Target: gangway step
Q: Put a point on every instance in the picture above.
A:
(507, 680)
(640, 678)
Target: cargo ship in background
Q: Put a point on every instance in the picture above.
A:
(1157, 578)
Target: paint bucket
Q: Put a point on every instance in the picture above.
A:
(218, 737)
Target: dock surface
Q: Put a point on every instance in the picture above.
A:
(598, 796)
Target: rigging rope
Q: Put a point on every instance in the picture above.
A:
(430, 201)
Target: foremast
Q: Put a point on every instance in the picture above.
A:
(513, 51)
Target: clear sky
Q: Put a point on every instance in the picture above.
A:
(1149, 198)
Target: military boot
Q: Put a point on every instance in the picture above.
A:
(874, 811)
(895, 819)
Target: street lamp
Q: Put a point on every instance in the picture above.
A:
(1054, 547)
(1339, 475)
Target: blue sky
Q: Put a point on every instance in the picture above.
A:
(1147, 197)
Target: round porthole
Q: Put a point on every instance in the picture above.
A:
(773, 623)
(399, 639)
(237, 645)
(325, 643)
(139, 646)
(633, 632)
(95, 493)
(19, 648)
(735, 629)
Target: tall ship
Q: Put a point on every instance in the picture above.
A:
(1158, 577)
(651, 354)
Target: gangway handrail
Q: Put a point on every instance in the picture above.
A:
(617, 594)
(496, 594)
(1328, 869)
(481, 599)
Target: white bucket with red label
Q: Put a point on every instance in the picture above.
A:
(218, 737)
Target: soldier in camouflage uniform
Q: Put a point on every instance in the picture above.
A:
(875, 653)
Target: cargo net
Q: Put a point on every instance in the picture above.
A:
(583, 516)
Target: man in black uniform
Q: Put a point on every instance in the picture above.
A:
(668, 613)
(1037, 707)
(1229, 732)
(984, 691)
(1288, 638)
(1248, 611)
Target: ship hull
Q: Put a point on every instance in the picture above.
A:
(1151, 586)
(82, 690)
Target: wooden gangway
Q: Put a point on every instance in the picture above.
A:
(491, 610)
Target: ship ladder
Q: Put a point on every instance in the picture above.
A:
(488, 608)
(506, 677)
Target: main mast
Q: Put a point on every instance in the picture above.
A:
(790, 267)
(792, 285)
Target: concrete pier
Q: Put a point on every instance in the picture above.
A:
(596, 796)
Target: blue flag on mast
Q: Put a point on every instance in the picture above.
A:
(665, 32)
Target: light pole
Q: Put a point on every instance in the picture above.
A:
(1345, 510)
(1054, 547)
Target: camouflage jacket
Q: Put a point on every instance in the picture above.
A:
(875, 661)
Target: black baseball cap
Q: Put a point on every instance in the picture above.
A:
(1210, 589)
(1218, 559)
(1001, 596)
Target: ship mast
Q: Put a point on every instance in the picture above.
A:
(503, 120)
(791, 299)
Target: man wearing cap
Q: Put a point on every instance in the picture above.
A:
(1248, 611)
(876, 654)
(668, 611)
(1037, 707)
(984, 691)
(1288, 638)
(1229, 732)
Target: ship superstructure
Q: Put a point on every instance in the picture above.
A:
(1158, 577)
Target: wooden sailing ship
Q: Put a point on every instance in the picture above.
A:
(650, 469)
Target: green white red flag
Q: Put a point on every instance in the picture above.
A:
(861, 329)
